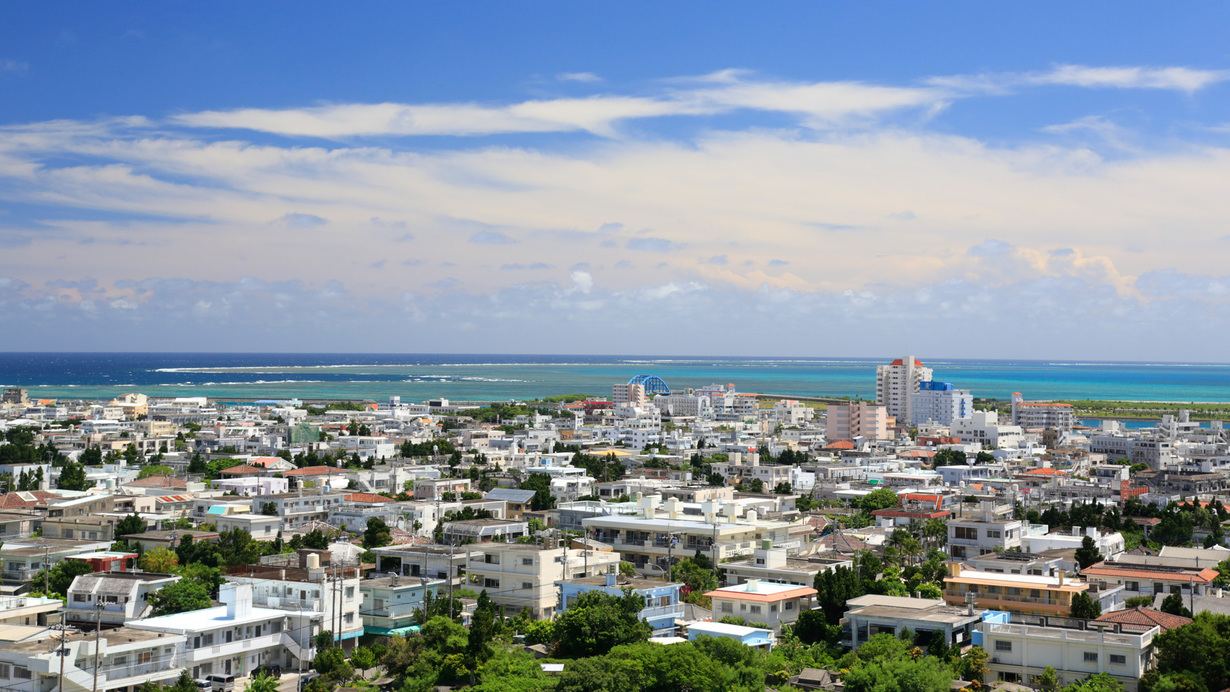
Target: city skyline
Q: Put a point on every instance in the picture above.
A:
(982, 182)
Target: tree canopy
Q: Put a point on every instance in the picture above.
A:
(597, 621)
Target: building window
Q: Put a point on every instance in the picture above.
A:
(491, 583)
(728, 607)
(527, 561)
(1001, 645)
(145, 657)
(21, 672)
(1091, 657)
(789, 605)
(1118, 660)
(756, 609)
(527, 585)
(4, 671)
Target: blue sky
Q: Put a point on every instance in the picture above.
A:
(969, 179)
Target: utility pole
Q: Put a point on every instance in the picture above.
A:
(449, 573)
(63, 651)
(46, 570)
(97, 629)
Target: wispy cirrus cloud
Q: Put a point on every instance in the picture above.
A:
(1183, 79)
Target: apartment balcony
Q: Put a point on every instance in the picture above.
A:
(658, 612)
(1010, 602)
(18, 574)
(208, 653)
(139, 673)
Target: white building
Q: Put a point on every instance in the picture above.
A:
(939, 403)
(895, 383)
(124, 596)
(1041, 414)
(308, 581)
(1076, 649)
(522, 577)
(983, 428)
(367, 447)
(237, 637)
(127, 659)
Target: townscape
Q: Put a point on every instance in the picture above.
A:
(652, 539)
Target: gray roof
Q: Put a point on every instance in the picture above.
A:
(509, 495)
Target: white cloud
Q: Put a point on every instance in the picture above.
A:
(1172, 78)
(1124, 77)
(13, 66)
(587, 77)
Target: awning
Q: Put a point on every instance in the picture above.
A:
(385, 632)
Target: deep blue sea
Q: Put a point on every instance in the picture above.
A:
(416, 377)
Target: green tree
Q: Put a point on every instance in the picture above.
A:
(1173, 604)
(72, 477)
(881, 498)
(835, 587)
(91, 456)
(61, 576)
(540, 483)
(1048, 680)
(269, 509)
(155, 470)
(237, 547)
(598, 621)
(363, 658)
(483, 627)
(129, 525)
(180, 597)
(926, 674)
(159, 560)
(1085, 607)
(376, 534)
(316, 540)
(1088, 553)
(261, 682)
(1200, 648)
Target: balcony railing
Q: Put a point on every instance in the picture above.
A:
(229, 648)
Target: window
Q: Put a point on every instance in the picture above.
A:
(491, 583)
(349, 592)
(756, 609)
(1118, 660)
(992, 533)
(79, 598)
(145, 657)
(789, 605)
(120, 660)
(1001, 645)
(527, 585)
(4, 671)
(1091, 657)
(527, 561)
(277, 627)
(773, 608)
(728, 607)
(21, 672)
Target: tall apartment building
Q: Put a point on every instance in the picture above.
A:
(848, 421)
(521, 577)
(1040, 414)
(939, 402)
(629, 395)
(895, 383)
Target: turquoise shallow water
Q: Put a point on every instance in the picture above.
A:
(415, 377)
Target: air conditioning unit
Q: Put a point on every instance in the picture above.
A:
(994, 660)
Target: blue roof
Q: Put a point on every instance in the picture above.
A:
(216, 510)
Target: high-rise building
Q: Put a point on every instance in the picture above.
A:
(629, 395)
(857, 419)
(895, 383)
(939, 402)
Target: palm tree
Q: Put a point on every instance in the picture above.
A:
(262, 682)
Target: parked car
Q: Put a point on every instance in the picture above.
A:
(222, 683)
(271, 671)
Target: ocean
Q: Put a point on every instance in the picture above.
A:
(416, 377)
